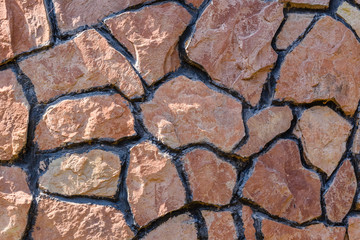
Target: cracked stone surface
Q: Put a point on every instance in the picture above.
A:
(248, 223)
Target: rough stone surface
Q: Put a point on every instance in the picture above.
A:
(77, 120)
(211, 179)
(317, 4)
(356, 143)
(220, 225)
(282, 186)
(185, 111)
(323, 134)
(14, 116)
(322, 67)
(248, 223)
(154, 186)
(94, 173)
(232, 41)
(264, 126)
(351, 15)
(65, 220)
(151, 35)
(354, 227)
(15, 200)
(195, 3)
(85, 62)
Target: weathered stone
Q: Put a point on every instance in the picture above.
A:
(14, 116)
(356, 143)
(94, 117)
(195, 3)
(151, 35)
(282, 186)
(15, 200)
(65, 220)
(185, 111)
(220, 225)
(264, 126)
(23, 26)
(232, 41)
(340, 195)
(154, 186)
(212, 180)
(322, 67)
(354, 227)
(248, 222)
(323, 134)
(351, 15)
(85, 62)
(94, 173)
(315, 4)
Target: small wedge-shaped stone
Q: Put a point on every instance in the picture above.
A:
(323, 134)
(356, 143)
(220, 225)
(354, 227)
(315, 4)
(351, 15)
(282, 186)
(185, 111)
(248, 223)
(151, 35)
(84, 119)
(85, 62)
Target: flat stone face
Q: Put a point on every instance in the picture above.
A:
(232, 41)
(356, 143)
(322, 67)
(282, 186)
(65, 220)
(23, 26)
(341, 193)
(84, 62)
(264, 126)
(84, 119)
(151, 35)
(154, 186)
(323, 134)
(95, 173)
(354, 227)
(220, 225)
(185, 111)
(212, 180)
(317, 4)
(351, 15)
(15, 200)
(14, 116)
(248, 223)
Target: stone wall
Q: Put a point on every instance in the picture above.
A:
(222, 119)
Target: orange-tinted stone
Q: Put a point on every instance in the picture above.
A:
(354, 227)
(220, 225)
(195, 3)
(317, 4)
(248, 223)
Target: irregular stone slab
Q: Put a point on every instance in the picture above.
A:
(95, 173)
(212, 180)
(323, 134)
(264, 126)
(315, 4)
(232, 41)
(220, 225)
(15, 200)
(195, 3)
(65, 220)
(354, 227)
(84, 119)
(185, 111)
(84, 62)
(248, 223)
(282, 186)
(322, 67)
(356, 143)
(340, 195)
(151, 35)
(351, 15)
(23, 26)
(154, 186)
(14, 116)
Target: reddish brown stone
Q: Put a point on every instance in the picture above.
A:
(185, 111)
(94, 117)
(232, 41)
(351, 15)
(86, 61)
(151, 35)
(248, 222)
(220, 225)
(354, 227)
(154, 186)
(316, 4)
(195, 3)
(322, 67)
(356, 143)
(282, 186)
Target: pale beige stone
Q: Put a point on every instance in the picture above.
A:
(354, 227)
(220, 225)
(316, 4)
(248, 223)
(351, 15)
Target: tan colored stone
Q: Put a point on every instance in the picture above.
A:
(351, 15)
(340, 195)
(248, 222)
(64, 220)
(154, 186)
(212, 180)
(322, 67)
(15, 200)
(151, 35)
(23, 26)
(232, 41)
(14, 116)
(220, 225)
(264, 126)
(354, 227)
(94, 117)
(323, 134)
(316, 4)
(84, 62)
(282, 186)
(95, 173)
(356, 143)
(185, 111)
